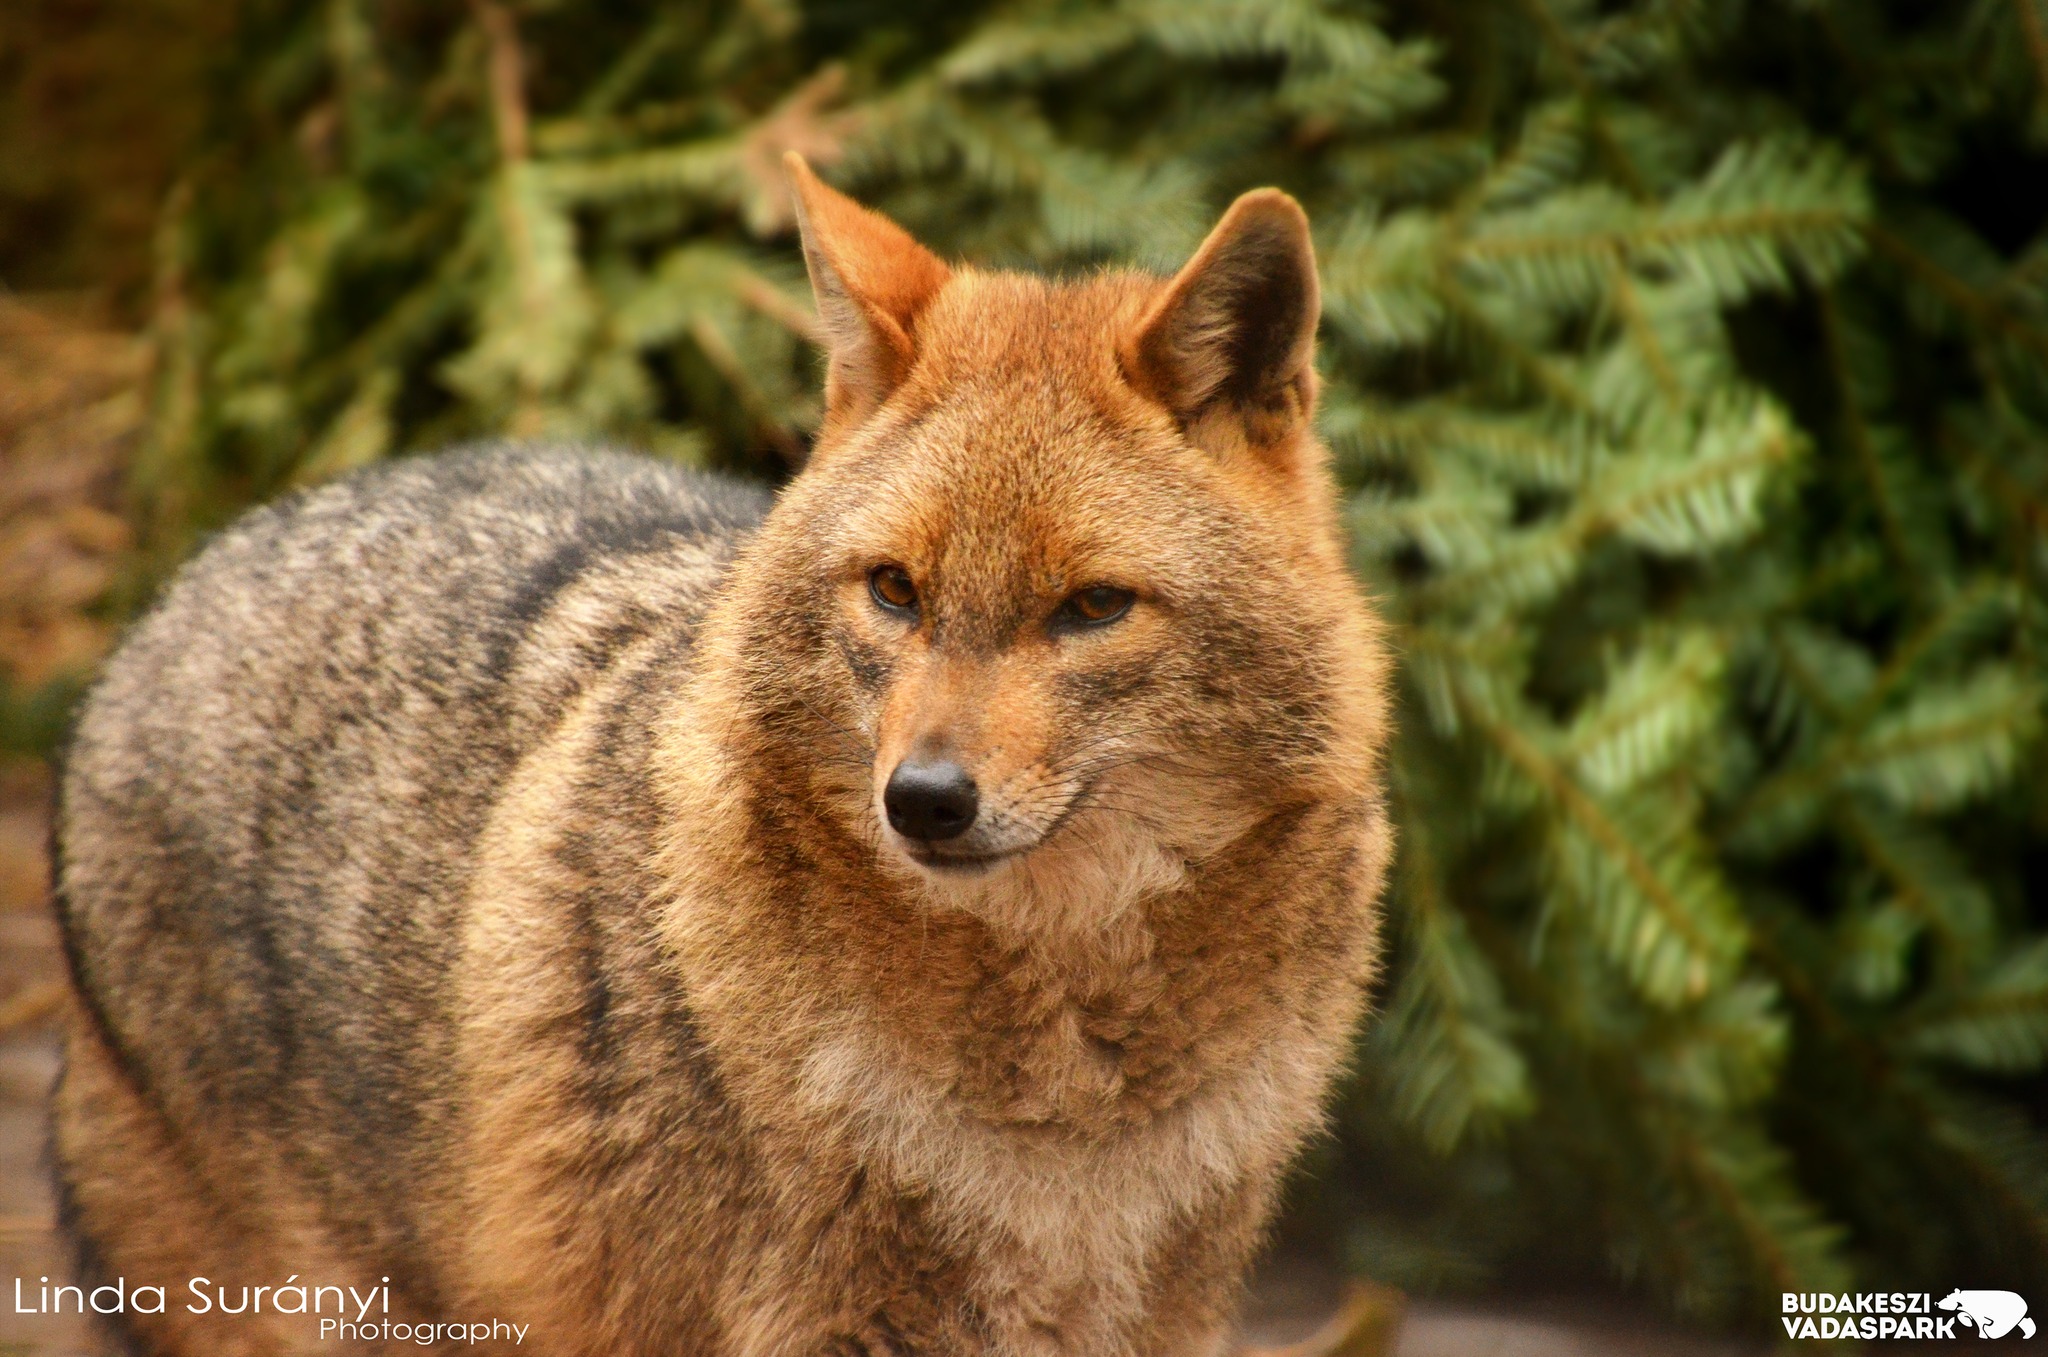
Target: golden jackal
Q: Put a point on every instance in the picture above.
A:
(920, 915)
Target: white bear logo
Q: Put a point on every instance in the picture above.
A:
(1991, 1313)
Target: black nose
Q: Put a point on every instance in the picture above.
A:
(930, 801)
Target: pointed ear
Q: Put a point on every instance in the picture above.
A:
(871, 281)
(1227, 347)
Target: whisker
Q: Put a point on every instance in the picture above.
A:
(853, 739)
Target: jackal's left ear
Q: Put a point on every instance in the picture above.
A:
(1228, 346)
(871, 281)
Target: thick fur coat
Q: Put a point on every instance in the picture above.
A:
(485, 873)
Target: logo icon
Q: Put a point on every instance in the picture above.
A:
(1993, 1314)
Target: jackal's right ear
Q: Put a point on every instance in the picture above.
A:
(1228, 345)
(871, 281)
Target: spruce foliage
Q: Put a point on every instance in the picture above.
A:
(1688, 360)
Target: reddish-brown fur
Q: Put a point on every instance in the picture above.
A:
(835, 1096)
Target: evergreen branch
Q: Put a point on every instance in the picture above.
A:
(1981, 604)
(1028, 50)
(1928, 877)
(1490, 565)
(359, 435)
(168, 467)
(1999, 1026)
(1984, 312)
(1651, 710)
(709, 169)
(1377, 280)
(358, 76)
(1452, 1067)
(1548, 155)
(1872, 946)
(407, 324)
(1543, 374)
(1621, 286)
(2007, 490)
(1673, 506)
(1669, 974)
(1418, 166)
(719, 352)
(1795, 1246)
(1631, 45)
(1834, 675)
(1762, 210)
(1513, 447)
(536, 316)
(2000, 1151)
(1949, 745)
(2035, 34)
(1715, 1155)
(1893, 1087)
(1301, 30)
(1614, 156)
(656, 41)
(1764, 222)
(1438, 662)
(1857, 433)
(1688, 506)
(593, 134)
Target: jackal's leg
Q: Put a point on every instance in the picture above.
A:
(141, 1214)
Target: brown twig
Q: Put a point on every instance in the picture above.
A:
(507, 79)
(1367, 1324)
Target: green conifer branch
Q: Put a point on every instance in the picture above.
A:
(1668, 977)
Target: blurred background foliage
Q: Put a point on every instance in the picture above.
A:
(1687, 361)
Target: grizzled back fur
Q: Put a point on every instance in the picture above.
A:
(273, 796)
(494, 872)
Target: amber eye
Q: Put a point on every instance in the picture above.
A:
(892, 589)
(1095, 605)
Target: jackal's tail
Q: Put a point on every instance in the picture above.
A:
(2026, 1327)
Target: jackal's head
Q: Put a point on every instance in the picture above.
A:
(1058, 609)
